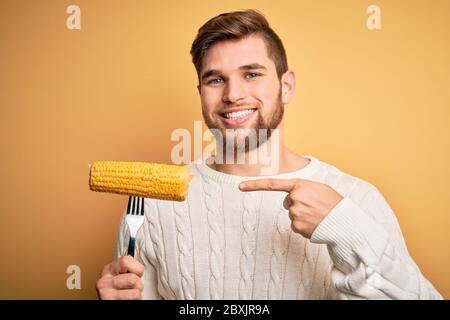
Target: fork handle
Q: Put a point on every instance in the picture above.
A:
(131, 246)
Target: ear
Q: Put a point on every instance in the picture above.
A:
(287, 86)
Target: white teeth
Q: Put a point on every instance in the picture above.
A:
(238, 114)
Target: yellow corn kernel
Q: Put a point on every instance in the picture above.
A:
(149, 180)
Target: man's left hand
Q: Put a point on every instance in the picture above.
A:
(308, 202)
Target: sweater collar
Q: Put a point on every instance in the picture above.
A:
(303, 173)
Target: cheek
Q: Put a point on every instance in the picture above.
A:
(211, 99)
(267, 91)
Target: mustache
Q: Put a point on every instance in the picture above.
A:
(250, 105)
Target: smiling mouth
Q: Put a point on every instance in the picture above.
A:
(236, 115)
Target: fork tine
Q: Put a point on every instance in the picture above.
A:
(138, 207)
(136, 210)
(142, 206)
(129, 205)
(135, 205)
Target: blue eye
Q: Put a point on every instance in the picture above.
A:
(215, 81)
(251, 75)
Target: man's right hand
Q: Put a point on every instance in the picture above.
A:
(121, 280)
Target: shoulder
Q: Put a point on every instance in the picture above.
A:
(362, 193)
(346, 184)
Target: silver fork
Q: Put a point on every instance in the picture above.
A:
(134, 218)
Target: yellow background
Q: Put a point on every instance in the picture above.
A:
(373, 103)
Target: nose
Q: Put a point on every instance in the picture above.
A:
(233, 91)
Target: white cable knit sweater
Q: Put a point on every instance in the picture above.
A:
(222, 243)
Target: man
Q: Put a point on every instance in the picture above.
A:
(300, 229)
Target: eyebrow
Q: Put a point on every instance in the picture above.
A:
(251, 66)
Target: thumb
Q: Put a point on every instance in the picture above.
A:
(287, 202)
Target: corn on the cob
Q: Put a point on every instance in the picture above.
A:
(150, 180)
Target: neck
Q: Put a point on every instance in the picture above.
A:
(272, 158)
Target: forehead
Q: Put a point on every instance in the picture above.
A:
(231, 54)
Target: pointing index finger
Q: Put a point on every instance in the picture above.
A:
(268, 185)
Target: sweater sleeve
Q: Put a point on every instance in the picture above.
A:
(149, 278)
(369, 254)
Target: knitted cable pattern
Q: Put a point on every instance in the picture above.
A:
(213, 197)
(281, 238)
(248, 244)
(185, 244)
(158, 245)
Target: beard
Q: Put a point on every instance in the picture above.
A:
(244, 140)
